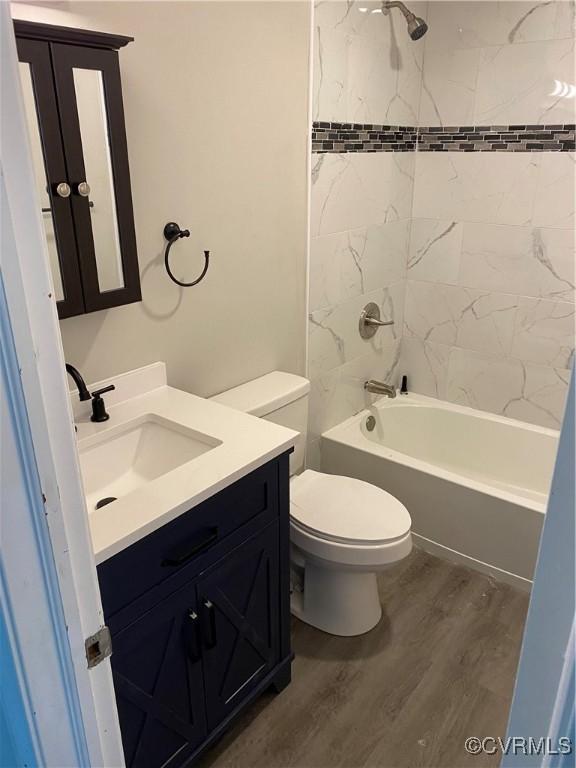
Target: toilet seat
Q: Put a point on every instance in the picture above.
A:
(346, 511)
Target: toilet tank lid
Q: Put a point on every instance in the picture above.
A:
(265, 394)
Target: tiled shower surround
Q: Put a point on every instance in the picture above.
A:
(470, 252)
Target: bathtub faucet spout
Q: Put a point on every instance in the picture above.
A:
(379, 388)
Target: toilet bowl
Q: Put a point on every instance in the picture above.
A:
(343, 531)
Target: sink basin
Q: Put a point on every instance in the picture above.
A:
(142, 450)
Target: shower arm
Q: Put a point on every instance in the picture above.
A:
(408, 15)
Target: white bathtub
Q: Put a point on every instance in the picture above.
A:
(475, 484)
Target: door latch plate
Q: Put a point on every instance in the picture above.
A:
(98, 647)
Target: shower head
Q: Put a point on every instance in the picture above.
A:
(417, 27)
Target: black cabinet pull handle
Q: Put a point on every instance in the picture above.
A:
(190, 630)
(182, 553)
(208, 616)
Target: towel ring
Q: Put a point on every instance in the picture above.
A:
(172, 232)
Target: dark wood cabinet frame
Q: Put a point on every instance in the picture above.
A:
(53, 53)
(37, 55)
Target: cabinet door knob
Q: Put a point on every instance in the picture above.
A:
(83, 189)
(63, 189)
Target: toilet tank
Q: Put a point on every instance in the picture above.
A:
(279, 397)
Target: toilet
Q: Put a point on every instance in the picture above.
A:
(343, 531)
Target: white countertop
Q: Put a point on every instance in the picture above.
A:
(247, 442)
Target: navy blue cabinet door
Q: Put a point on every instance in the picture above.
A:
(238, 604)
(157, 671)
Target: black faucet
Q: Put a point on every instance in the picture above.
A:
(79, 381)
(98, 406)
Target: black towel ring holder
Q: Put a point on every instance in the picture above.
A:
(172, 232)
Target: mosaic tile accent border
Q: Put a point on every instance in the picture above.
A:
(367, 137)
(497, 138)
(362, 137)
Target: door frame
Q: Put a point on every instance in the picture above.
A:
(543, 702)
(33, 324)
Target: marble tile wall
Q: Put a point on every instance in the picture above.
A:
(489, 305)
(498, 63)
(366, 70)
(361, 207)
(472, 254)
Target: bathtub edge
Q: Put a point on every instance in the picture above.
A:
(458, 558)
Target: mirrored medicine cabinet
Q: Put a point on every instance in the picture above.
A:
(73, 101)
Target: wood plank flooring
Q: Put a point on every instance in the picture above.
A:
(438, 668)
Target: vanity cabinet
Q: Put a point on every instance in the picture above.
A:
(191, 651)
(73, 102)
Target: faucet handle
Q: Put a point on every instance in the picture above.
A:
(99, 392)
(98, 406)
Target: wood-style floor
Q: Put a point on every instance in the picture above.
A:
(439, 667)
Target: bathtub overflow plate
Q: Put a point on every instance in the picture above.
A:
(370, 423)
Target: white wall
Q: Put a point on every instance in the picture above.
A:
(216, 102)
(489, 316)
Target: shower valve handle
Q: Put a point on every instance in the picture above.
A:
(370, 321)
(376, 322)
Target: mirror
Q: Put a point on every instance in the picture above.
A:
(40, 175)
(91, 106)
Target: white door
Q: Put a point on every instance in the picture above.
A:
(543, 703)
(49, 588)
